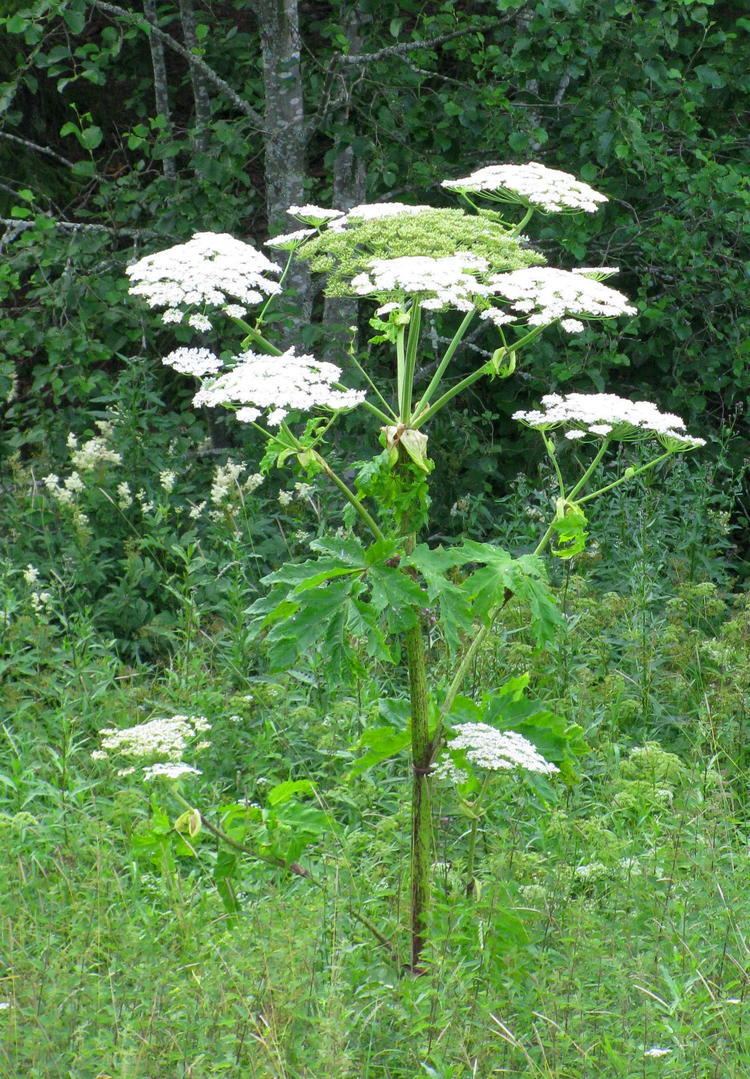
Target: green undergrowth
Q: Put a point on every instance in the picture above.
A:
(604, 923)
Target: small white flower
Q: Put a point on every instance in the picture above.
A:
(657, 1051)
(247, 414)
(172, 315)
(234, 310)
(252, 483)
(124, 495)
(167, 480)
(285, 498)
(199, 322)
(315, 215)
(71, 441)
(572, 325)
(31, 574)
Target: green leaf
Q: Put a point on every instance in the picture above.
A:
(284, 792)
(380, 744)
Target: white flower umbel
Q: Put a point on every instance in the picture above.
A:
(163, 737)
(279, 385)
(533, 185)
(314, 215)
(498, 750)
(290, 240)
(193, 361)
(173, 770)
(440, 282)
(607, 414)
(207, 271)
(543, 295)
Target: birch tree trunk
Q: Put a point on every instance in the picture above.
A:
(201, 96)
(285, 135)
(161, 86)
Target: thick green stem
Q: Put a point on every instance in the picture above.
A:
(421, 814)
(350, 497)
(412, 345)
(255, 337)
(441, 402)
(517, 229)
(449, 354)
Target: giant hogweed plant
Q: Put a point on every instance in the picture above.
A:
(369, 591)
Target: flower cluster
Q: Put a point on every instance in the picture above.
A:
(444, 282)
(207, 270)
(606, 414)
(166, 737)
(534, 185)
(376, 211)
(498, 750)
(193, 361)
(314, 215)
(93, 453)
(278, 385)
(543, 295)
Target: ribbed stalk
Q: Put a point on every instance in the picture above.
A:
(421, 814)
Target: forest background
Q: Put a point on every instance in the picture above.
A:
(125, 128)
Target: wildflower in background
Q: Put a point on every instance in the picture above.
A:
(533, 185)
(606, 414)
(657, 1051)
(225, 481)
(285, 498)
(199, 322)
(449, 772)
(196, 510)
(498, 750)
(314, 215)
(124, 495)
(31, 574)
(167, 480)
(170, 771)
(280, 384)
(208, 270)
(303, 491)
(252, 483)
(41, 601)
(95, 452)
(162, 737)
(71, 441)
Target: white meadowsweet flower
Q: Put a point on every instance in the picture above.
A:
(279, 384)
(124, 495)
(163, 737)
(315, 215)
(252, 483)
(193, 361)
(545, 294)
(608, 414)
(498, 750)
(40, 601)
(176, 770)
(31, 574)
(444, 282)
(225, 481)
(549, 190)
(200, 322)
(657, 1051)
(207, 270)
(92, 454)
(71, 441)
(167, 479)
(285, 498)
(289, 240)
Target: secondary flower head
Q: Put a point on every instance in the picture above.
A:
(533, 185)
(278, 385)
(163, 737)
(290, 240)
(498, 750)
(441, 282)
(543, 295)
(314, 215)
(606, 414)
(175, 770)
(210, 269)
(193, 361)
(376, 211)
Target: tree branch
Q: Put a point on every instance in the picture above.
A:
(195, 61)
(76, 226)
(409, 46)
(37, 148)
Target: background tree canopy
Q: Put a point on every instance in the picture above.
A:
(126, 127)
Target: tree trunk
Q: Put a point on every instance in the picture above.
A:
(201, 95)
(285, 136)
(161, 86)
